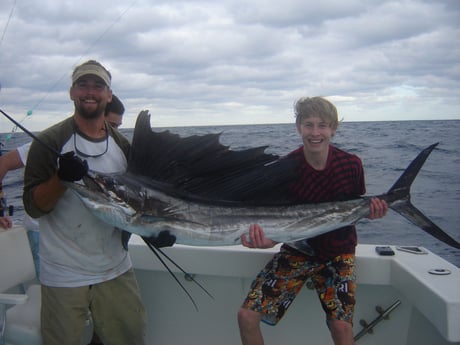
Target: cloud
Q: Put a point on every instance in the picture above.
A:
(228, 62)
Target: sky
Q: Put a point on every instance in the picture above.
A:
(193, 63)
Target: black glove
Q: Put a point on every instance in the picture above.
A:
(164, 239)
(71, 167)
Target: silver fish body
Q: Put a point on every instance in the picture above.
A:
(201, 224)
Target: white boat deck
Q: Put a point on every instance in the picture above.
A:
(429, 312)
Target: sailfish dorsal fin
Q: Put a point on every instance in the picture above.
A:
(202, 166)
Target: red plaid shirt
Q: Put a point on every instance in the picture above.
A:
(342, 179)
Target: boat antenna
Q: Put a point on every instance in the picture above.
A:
(29, 133)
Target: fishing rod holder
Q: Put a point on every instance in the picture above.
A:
(384, 314)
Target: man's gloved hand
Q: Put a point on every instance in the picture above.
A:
(71, 167)
(164, 239)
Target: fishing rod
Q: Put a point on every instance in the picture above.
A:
(29, 133)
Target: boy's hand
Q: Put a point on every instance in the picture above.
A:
(257, 238)
(378, 208)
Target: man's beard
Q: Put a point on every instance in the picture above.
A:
(89, 115)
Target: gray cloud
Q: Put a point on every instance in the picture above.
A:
(208, 62)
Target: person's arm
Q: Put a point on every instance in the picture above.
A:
(9, 161)
(39, 175)
(70, 168)
(47, 194)
(45, 170)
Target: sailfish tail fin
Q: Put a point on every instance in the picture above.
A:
(398, 198)
(405, 180)
(415, 216)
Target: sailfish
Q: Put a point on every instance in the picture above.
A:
(207, 194)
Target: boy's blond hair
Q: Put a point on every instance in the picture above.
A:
(316, 106)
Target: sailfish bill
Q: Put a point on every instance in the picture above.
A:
(208, 195)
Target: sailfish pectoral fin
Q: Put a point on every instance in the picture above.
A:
(415, 216)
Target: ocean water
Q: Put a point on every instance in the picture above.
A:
(386, 148)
